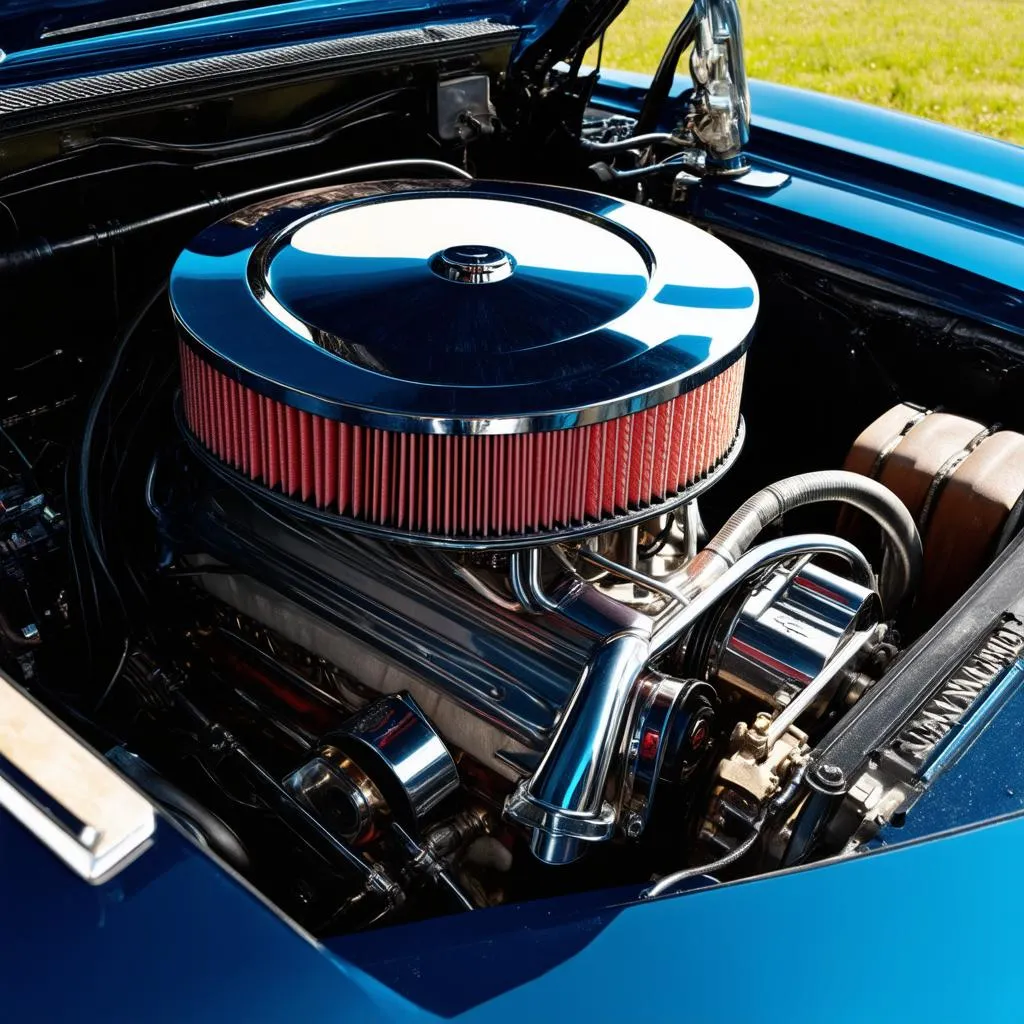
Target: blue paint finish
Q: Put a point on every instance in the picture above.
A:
(421, 961)
(674, 959)
(30, 58)
(961, 267)
(931, 232)
(975, 163)
(935, 210)
(174, 938)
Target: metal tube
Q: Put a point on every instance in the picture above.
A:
(708, 587)
(627, 573)
(473, 581)
(563, 801)
(633, 142)
(788, 715)
(691, 528)
(10, 261)
(517, 582)
(524, 576)
(809, 694)
(665, 885)
(534, 585)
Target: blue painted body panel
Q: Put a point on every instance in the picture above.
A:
(171, 938)
(29, 59)
(174, 937)
(936, 211)
(860, 946)
(975, 163)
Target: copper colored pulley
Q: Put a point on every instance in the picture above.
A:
(963, 483)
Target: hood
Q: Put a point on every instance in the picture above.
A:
(40, 40)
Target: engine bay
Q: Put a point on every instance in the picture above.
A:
(445, 524)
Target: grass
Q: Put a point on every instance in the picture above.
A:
(958, 62)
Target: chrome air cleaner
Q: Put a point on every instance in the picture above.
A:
(468, 363)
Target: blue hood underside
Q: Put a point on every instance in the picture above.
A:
(40, 41)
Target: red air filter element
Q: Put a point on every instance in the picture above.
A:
(467, 486)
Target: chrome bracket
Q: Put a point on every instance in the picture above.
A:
(66, 795)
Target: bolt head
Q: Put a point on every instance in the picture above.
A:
(699, 734)
(634, 825)
(831, 775)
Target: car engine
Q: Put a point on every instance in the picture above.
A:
(379, 555)
(442, 445)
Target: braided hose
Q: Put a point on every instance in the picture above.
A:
(860, 492)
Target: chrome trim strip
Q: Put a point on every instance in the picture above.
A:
(139, 17)
(27, 98)
(66, 795)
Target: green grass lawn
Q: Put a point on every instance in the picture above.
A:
(958, 62)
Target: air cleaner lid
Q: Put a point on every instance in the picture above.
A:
(463, 307)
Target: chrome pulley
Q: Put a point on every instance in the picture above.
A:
(779, 634)
(386, 762)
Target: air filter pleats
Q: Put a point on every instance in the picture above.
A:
(466, 486)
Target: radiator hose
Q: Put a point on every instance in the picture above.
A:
(902, 568)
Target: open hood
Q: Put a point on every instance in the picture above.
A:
(42, 40)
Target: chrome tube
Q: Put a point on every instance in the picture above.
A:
(670, 882)
(474, 582)
(721, 98)
(692, 528)
(632, 142)
(809, 694)
(563, 803)
(524, 578)
(716, 128)
(705, 589)
(627, 573)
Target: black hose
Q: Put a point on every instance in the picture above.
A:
(42, 249)
(253, 145)
(661, 84)
(90, 530)
(14, 637)
(188, 811)
(861, 492)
